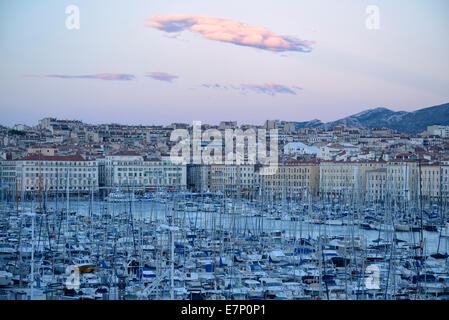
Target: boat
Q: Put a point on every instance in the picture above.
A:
(84, 265)
(402, 227)
(6, 278)
(272, 287)
(254, 289)
(118, 196)
(444, 232)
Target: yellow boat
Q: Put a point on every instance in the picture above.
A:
(85, 265)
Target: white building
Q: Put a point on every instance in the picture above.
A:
(51, 173)
(442, 131)
(299, 148)
(330, 151)
(132, 169)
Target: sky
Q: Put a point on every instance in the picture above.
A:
(160, 62)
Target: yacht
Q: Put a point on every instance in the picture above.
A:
(84, 265)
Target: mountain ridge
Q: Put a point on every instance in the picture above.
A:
(403, 121)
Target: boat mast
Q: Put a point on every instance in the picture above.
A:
(67, 201)
(421, 244)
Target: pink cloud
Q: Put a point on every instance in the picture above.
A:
(101, 76)
(171, 35)
(226, 30)
(269, 88)
(162, 76)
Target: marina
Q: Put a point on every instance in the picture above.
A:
(180, 245)
(245, 156)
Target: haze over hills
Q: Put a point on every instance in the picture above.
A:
(403, 121)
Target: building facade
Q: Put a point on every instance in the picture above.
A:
(51, 173)
(132, 170)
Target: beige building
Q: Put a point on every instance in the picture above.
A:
(445, 180)
(403, 180)
(295, 179)
(346, 179)
(46, 151)
(376, 183)
(233, 179)
(430, 182)
(51, 173)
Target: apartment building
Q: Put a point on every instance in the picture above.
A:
(345, 178)
(403, 180)
(431, 181)
(198, 177)
(297, 179)
(376, 185)
(134, 170)
(51, 173)
(233, 179)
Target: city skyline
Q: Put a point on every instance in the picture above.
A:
(148, 63)
(242, 151)
(376, 118)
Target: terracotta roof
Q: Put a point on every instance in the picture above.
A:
(403, 160)
(339, 146)
(301, 161)
(40, 157)
(125, 153)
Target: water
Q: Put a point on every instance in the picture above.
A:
(238, 223)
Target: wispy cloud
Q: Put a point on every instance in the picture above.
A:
(214, 86)
(267, 88)
(162, 76)
(227, 30)
(100, 76)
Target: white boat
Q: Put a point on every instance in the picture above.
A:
(334, 222)
(91, 280)
(5, 278)
(239, 293)
(272, 287)
(254, 289)
(294, 289)
(445, 232)
(277, 256)
(118, 196)
(7, 251)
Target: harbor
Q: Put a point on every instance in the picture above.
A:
(179, 245)
(214, 160)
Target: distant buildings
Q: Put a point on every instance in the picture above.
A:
(299, 148)
(378, 165)
(334, 150)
